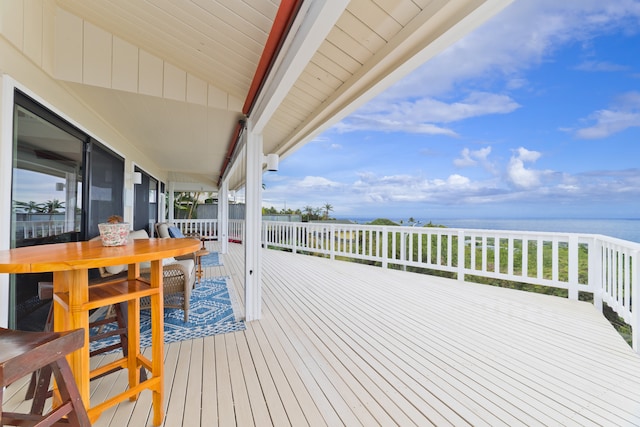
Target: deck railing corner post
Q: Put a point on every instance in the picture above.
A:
(573, 266)
(635, 301)
(385, 247)
(461, 257)
(294, 240)
(332, 241)
(595, 272)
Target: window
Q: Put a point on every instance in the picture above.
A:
(63, 184)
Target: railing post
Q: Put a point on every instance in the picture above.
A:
(385, 247)
(635, 301)
(332, 242)
(595, 272)
(403, 250)
(573, 267)
(461, 258)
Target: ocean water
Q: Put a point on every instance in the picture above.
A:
(626, 229)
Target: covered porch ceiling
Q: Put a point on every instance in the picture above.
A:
(338, 54)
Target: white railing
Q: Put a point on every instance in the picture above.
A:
(606, 267)
(208, 228)
(236, 230)
(35, 229)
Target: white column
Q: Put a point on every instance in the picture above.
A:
(253, 220)
(162, 202)
(223, 216)
(6, 170)
(171, 201)
(70, 184)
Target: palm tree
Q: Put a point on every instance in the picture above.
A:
(195, 198)
(185, 202)
(308, 210)
(52, 206)
(28, 207)
(317, 212)
(327, 208)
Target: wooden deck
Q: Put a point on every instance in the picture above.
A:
(347, 344)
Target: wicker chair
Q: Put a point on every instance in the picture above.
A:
(178, 277)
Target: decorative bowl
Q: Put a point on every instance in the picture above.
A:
(114, 234)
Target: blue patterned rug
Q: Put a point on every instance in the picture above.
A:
(211, 260)
(210, 313)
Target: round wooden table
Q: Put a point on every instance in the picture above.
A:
(73, 298)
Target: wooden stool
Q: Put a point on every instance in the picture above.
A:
(38, 389)
(24, 352)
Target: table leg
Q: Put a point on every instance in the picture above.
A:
(199, 269)
(76, 283)
(157, 341)
(133, 343)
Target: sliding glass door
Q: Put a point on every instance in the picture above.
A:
(145, 213)
(63, 184)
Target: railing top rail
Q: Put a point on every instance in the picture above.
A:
(476, 231)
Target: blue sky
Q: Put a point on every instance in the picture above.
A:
(536, 114)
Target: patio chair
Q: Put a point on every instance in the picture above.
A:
(178, 276)
(168, 230)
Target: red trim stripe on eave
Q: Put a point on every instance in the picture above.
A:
(287, 12)
(281, 24)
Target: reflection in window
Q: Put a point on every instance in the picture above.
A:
(47, 177)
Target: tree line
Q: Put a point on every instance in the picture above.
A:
(308, 213)
(48, 207)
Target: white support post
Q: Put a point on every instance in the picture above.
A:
(172, 202)
(253, 222)
(70, 184)
(223, 216)
(6, 169)
(162, 204)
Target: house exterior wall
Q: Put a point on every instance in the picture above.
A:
(26, 63)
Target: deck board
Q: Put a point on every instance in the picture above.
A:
(349, 344)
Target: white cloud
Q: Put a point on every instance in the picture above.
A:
(458, 181)
(359, 122)
(623, 114)
(471, 158)
(474, 105)
(424, 115)
(519, 175)
(316, 181)
(465, 160)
